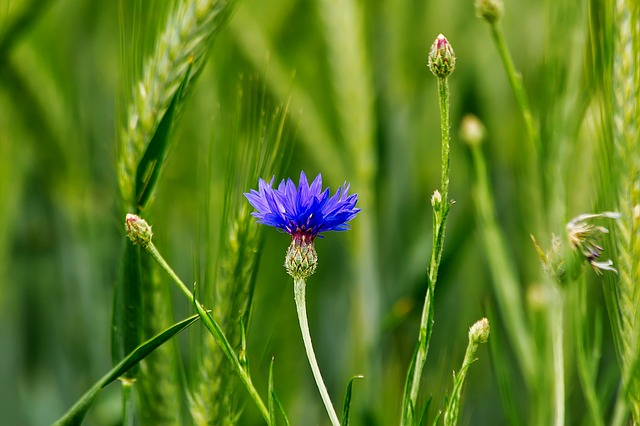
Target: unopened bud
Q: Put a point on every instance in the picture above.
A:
(479, 332)
(442, 60)
(436, 200)
(489, 10)
(138, 230)
(471, 130)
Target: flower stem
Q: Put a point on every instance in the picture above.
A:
(515, 78)
(556, 323)
(443, 94)
(299, 286)
(440, 204)
(215, 331)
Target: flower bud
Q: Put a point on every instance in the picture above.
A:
(436, 200)
(479, 332)
(301, 259)
(471, 130)
(489, 10)
(442, 60)
(138, 230)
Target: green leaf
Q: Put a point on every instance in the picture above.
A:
(274, 402)
(151, 163)
(126, 323)
(76, 414)
(347, 401)
(272, 411)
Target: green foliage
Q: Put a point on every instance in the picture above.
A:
(128, 106)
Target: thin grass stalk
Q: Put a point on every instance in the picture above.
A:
(314, 133)
(533, 149)
(215, 330)
(626, 115)
(261, 149)
(159, 377)
(502, 268)
(588, 351)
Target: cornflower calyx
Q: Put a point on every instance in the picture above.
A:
(304, 212)
(302, 258)
(442, 59)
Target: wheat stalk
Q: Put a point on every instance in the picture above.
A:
(625, 140)
(179, 52)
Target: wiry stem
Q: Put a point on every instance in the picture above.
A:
(216, 331)
(440, 204)
(299, 286)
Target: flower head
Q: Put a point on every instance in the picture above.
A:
(584, 236)
(305, 211)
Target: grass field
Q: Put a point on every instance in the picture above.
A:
(508, 189)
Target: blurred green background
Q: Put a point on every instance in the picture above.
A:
(61, 234)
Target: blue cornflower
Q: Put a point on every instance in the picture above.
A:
(305, 211)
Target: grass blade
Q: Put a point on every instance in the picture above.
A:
(347, 401)
(76, 414)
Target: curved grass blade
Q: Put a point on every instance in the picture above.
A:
(274, 402)
(347, 401)
(272, 411)
(156, 152)
(76, 414)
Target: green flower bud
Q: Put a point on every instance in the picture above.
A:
(138, 230)
(489, 10)
(301, 259)
(442, 60)
(479, 332)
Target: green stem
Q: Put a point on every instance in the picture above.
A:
(440, 212)
(443, 94)
(453, 406)
(127, 402)
(216, 332)
(299, 286)
(505, 279)
(515, 78)
(556, 324)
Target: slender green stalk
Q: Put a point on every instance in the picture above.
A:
(441, 63)
(443, 94)
(556, 322)
(502, 267)
(587, 351)
(533, 149)
(515, 79)
(215, 331)
(478, 333)
(299, 286)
